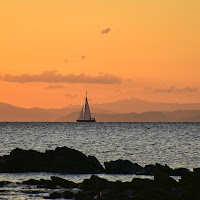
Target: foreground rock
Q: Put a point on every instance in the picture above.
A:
(64, 195)
(63, 159)
(162, 187)
(51, 184)
(2, 183)
(127, 167)
(71, 161)
(122, 167)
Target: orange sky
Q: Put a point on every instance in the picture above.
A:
(53, 51)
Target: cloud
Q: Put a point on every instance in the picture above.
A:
(83, 57)
(54, 87)
(54, 77)
(70, 96)
(106, 31)
(174, 89)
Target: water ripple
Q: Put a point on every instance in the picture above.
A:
(175, 144)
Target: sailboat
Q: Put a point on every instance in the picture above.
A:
(85, 115)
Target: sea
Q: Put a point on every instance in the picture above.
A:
(174, 144)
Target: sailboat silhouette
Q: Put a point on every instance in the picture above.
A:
(85, 115)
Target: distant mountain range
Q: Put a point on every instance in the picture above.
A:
(151, 116)
(128, 110)
(139, 106)
(13, 113)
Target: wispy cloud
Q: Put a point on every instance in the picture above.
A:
(105, 31)
(174, 89)
(54, 87)
(70, 96)
(54, 77)
(83, 57)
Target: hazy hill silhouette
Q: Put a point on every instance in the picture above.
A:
(152, 116)
(139, 106)
(13, 113)
(123, 110)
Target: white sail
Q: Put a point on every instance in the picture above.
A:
(81, 115)
(87, 114)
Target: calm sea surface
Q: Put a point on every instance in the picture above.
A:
(174, 144)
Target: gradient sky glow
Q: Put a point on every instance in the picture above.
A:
(52, 51)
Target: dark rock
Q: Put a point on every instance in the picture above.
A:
(138, 197)
(122, 167)
(51, 184)
(94, 183)
(31, 182)
(118, 185)
(85, 195)
(164, 168)
(22, 161)
(2, 183)
(190, 194)
(151, 169)
(66, 160)
(42, 183)
(190, 179)
(55, 195)
(156, 194)
(114, 194)
(68, 194)
(47, 184)
(63, 183)
(41, 186)
(62, 159)
(70, 161)
(95, 163)
(2, 191)
(32, 191)
(180, 171)
(162, 179)
(25, 160)
(162, 187)
(138, 183)
(196, 170)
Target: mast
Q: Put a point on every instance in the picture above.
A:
(87, 114)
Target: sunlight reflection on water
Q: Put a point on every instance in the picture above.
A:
(174, 144)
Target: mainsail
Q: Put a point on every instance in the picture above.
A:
(85, 115)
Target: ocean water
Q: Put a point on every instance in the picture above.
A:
(174, 144)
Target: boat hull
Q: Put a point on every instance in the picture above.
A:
(83, 120)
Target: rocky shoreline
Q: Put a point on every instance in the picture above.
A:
(162, 187)
(71, 161)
